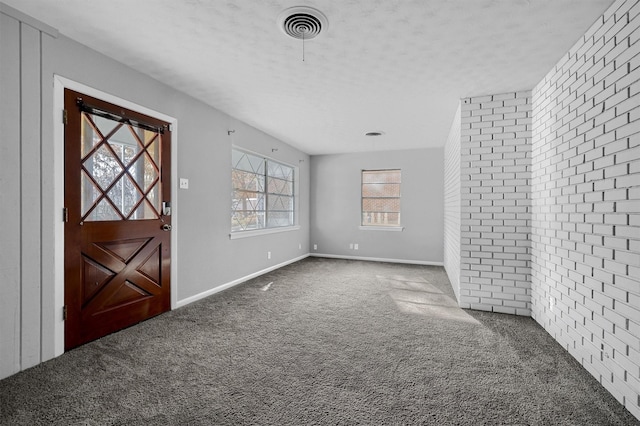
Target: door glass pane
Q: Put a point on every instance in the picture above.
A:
(89, 136)
(153, 198)
(103, 167)
(104, 125)
(124, 144)
(103, 211)
(90, 193)
(144, 172)
(145, 211)
(125, 195)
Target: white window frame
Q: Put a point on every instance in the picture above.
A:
(268, 230)
(381, 227)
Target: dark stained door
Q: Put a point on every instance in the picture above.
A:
(118, 224)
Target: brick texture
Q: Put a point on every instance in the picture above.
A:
(495, 203)
(452, 204)
(585, 195)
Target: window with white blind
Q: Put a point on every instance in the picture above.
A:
(263, 193)
(381, 198)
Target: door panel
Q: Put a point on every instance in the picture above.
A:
(117, 239)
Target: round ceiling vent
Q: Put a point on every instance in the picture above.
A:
(302, 23)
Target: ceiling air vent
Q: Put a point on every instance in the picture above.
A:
(302, 23)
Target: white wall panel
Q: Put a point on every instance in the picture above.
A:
(10, 200)
(30, 166)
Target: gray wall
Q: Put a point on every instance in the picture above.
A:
(335, 206)
(207, 257)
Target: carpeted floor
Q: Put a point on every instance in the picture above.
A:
(321, 341)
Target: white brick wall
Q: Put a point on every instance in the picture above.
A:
(495, 203)
(452, 204)
(586, 202)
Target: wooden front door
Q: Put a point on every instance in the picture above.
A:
(118, 219)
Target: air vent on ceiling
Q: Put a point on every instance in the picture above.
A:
(302, 23)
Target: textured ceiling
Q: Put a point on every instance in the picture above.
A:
(397, 66)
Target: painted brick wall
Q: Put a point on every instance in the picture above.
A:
(495, 203)
(452, 204)
(586, 202)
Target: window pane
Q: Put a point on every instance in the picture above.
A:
(247, 181)
(247, 162)
(280, 203)
(278, 170)
(381, 190)
(381, 176)
(277, 219)
(244, 221)
(279, 186)
(381, 197)
(247, 201)
(380, 219)
(380, 204)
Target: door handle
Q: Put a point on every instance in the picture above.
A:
(166, 227)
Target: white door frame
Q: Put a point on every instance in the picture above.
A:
(59, 84)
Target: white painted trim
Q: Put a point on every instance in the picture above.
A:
(233, 283)
(381, 228)
(378, 259)
(265, 231)
(59, 84)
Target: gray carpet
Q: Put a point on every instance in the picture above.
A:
(318, 342)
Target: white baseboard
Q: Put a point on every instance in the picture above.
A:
(378, 259)
(222, 287)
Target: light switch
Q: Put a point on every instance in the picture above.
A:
(184, 183)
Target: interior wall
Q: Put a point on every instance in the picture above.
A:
(586, 202)
(495, 203)
(336, 206)
(208, 259)
(452, 213)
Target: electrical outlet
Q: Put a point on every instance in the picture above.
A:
(300, 246)
(315, 247)
(184, 183)
(355, 246)
(551, 303)
(268, 255)
(350, 246)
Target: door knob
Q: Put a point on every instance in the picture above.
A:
(166, 227)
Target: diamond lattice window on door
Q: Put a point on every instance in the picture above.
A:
(120, 171)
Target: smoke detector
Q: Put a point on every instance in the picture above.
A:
(302, 22)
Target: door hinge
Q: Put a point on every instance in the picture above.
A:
(64, 312)
(65, 117)
(65, 214)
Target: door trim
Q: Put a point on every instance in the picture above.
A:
(53, 330)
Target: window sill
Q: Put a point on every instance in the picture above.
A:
(382, 228)
(266, 231)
